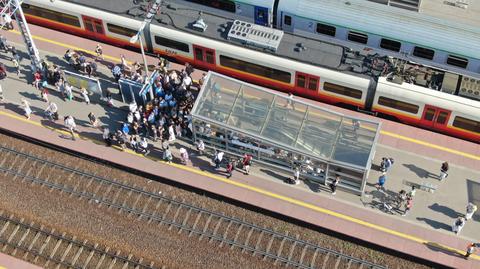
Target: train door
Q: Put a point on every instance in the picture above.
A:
(204, 56)
(261, 16)
(435, 117)
(93, 26)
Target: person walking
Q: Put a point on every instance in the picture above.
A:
(70, 124)
(470, 249)
(26, 108)
(334, 183)
(458, 225)
(93, 119)
(45, 94)
(229, 168)
(247, 162)
(106, 136)
(218, 159)
(16, 65)
(68, 91)
(167, 155)
(99, 52)
(470, 210)
(296, 175)
(52, 111)
(381, 181)
(85, 95)
(443, 171)
(408, 205)
(184, 156)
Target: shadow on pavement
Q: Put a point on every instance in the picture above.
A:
(420, 172)
(439, 248)
(445, 210)
(436, 224)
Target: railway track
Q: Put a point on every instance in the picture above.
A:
(167, 211)
(52, 249)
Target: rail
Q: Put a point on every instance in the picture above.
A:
(150, 206)
(59, 249)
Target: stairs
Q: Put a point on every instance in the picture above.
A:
(13, 7)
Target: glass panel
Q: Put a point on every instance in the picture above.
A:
(209, 57)
(218, 99)
(98, 27)
(88, 25)
(284, 121)
(318, 132)
(313, 84)
(251, 109)
(442, 117)
(357, 37)
(390, 44)
(423, 53)
(300, 81)
(199, 54)
(429, 114)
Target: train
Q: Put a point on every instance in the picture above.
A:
(324, 80)
(359, 24)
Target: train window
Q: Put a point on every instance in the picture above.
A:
(119, 30)
(301, 81)
(51, 15)
(225, 5)
(198, 54)
(287, 20)
(429, 114)
(404, 106)
(326, 29)
(255, 69)
(209, 57)
(173, 44)
(423, 53)
(357, 37)
(457, 61)
(313, 84)
(338, 89)
(442, 117)
(466, 124)
(390, 44)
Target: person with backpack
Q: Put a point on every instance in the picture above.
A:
(458, 225)
(218, 158)
(443, 171)
(386, 164)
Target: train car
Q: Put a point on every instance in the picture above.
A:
(442, 112)
(83, 21)
(256, 11)
(390, 31)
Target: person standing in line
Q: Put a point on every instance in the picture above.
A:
(470, 249)
(184, 156)
(171, 133)
(26, 108)
(85, 95)
(443, 171)
(99, 52)
(167, 155)
(70, 124)
(296, 175)
(470, 210)
(333, 184)
(458, 225)
(218, 159)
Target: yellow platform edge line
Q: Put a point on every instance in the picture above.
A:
(266, 192)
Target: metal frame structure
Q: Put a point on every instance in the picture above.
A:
(283, 133)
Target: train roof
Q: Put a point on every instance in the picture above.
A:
(180, 16)
(396, 23)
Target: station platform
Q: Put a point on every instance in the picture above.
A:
(424, 233)
(9, 262)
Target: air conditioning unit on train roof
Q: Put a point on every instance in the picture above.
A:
(255, 35)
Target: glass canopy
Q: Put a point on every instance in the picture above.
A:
(288, 122)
